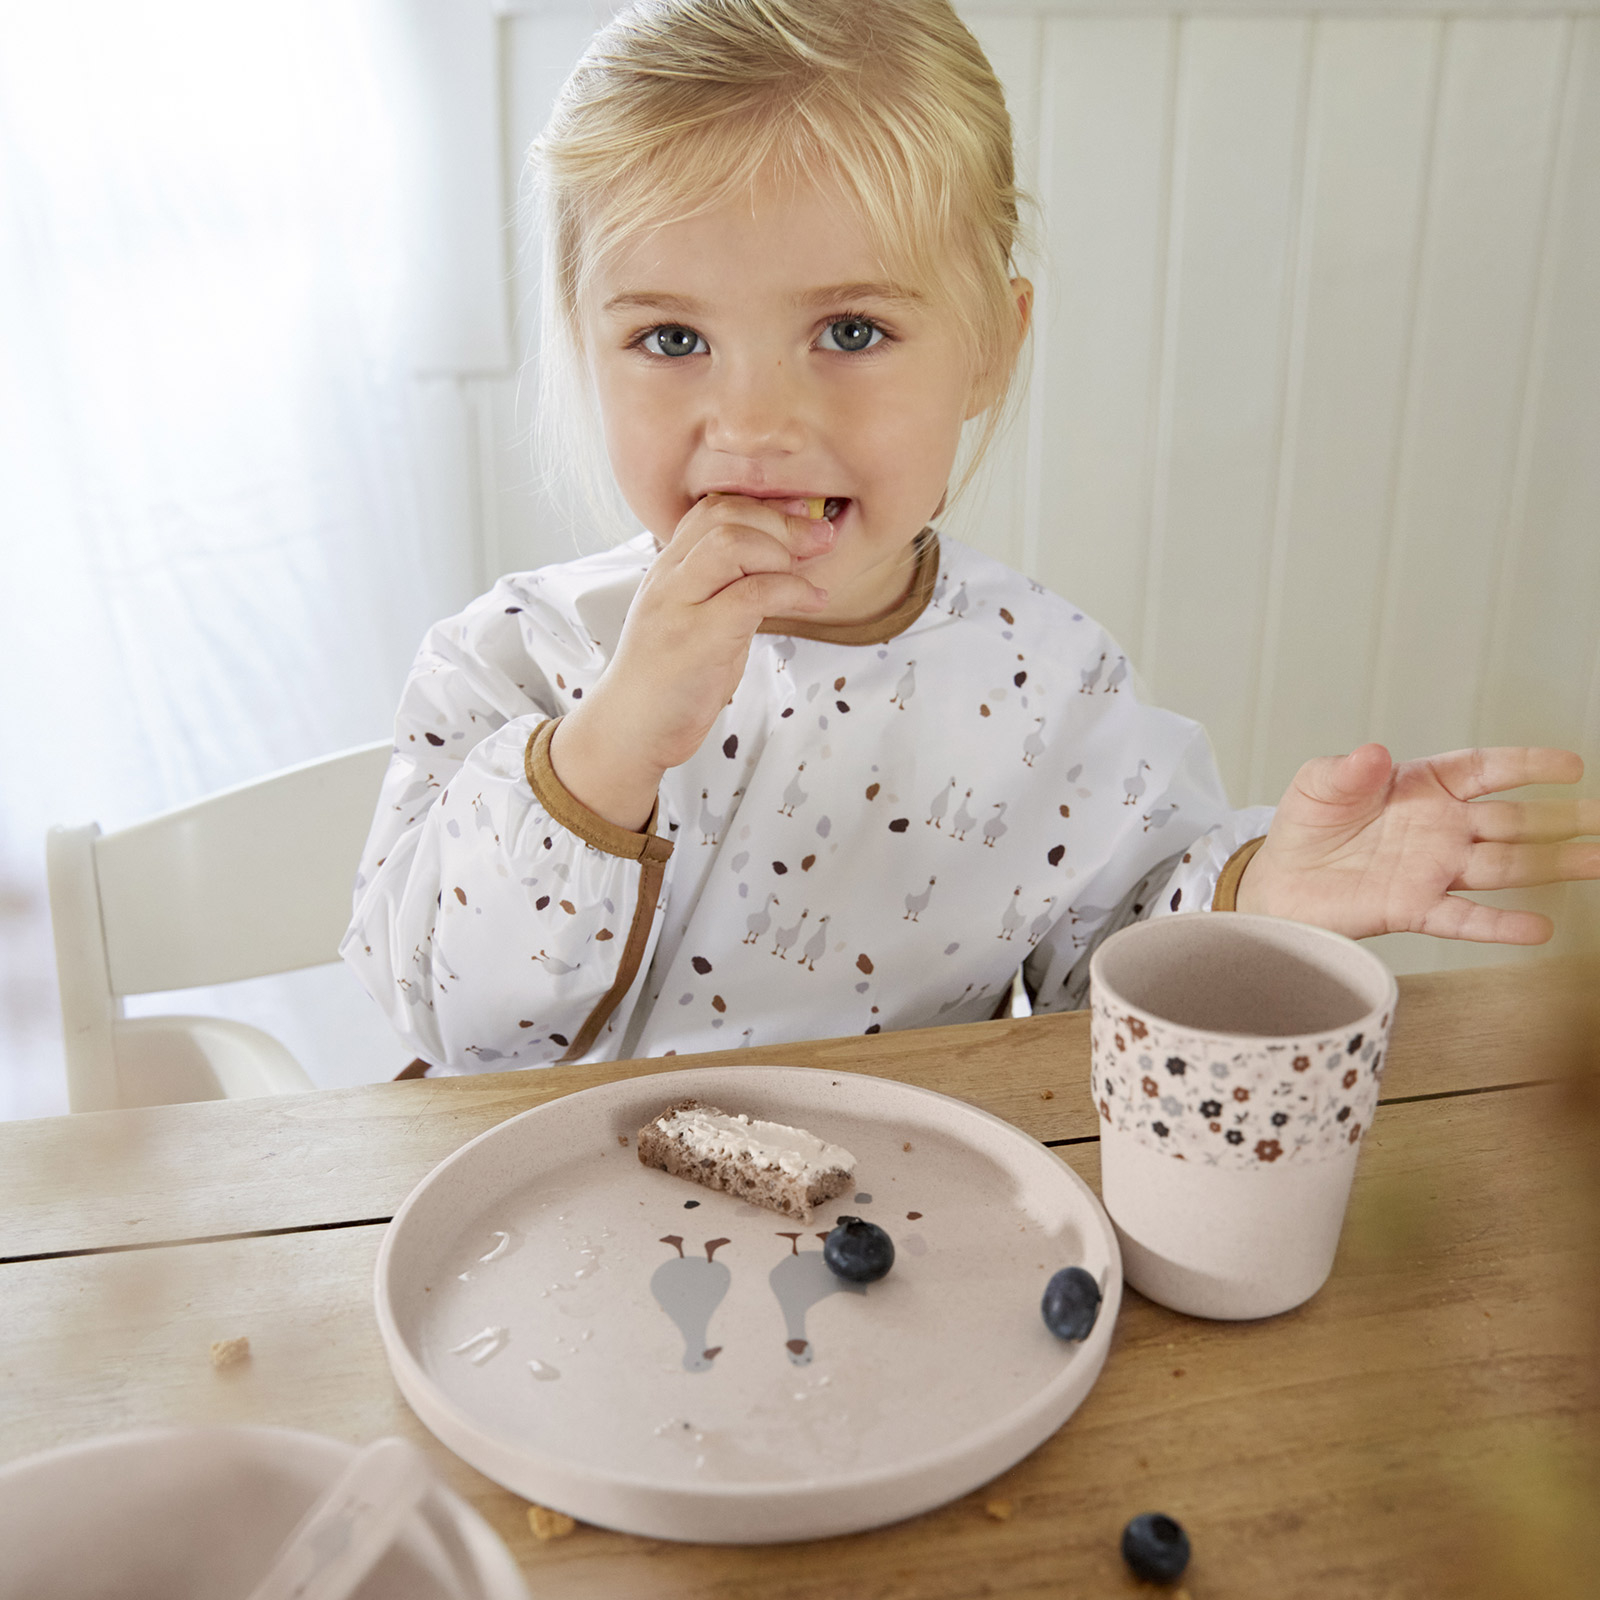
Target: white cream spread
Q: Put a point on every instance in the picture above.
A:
(768, 1144)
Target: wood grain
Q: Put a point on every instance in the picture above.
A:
(117, 1178)
(1356, 1447)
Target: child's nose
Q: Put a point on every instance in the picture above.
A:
(756, 412)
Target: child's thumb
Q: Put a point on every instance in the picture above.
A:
(1347, 780)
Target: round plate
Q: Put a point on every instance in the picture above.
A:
(664, 1359)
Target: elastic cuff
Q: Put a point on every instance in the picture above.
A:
(1227, 893)
(576, 817)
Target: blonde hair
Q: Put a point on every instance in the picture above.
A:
(679, 104)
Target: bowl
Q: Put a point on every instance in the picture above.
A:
(199, 1514)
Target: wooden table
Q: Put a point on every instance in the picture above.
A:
(1423, 1427)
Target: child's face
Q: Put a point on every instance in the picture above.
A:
(757, 349)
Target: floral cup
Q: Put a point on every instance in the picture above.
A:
(1236, 1061)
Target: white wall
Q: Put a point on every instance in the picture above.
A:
(1315, 416)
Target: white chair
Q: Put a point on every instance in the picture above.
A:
(251, 881)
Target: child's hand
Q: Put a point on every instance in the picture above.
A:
(1364, 846)
(730, 563)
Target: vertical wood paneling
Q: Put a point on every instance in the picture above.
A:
(1543, 655)
(1105, 142)
(1494, 142)
(1239, 130)
(992, 515)
(1366, 157)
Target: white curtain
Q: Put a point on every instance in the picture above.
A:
(213, 560)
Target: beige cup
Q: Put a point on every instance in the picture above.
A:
(1236, 1064)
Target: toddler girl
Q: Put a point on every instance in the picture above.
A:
(789, 764)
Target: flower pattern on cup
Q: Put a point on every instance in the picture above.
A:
(1291, 1100)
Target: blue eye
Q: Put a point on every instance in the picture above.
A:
(851, 333)
(674, 341)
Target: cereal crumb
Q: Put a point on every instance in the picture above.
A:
(548, 1524)
(1000, 1510)
(622, 1139)
(905, 1147)
(1047, 1094)
(229, 1352)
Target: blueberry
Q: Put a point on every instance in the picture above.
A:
(857, 1250)
(1155, 1547)
(1071, 1303)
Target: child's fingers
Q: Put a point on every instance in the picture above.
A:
(1518, 822)
(1521, 866)
(1455, 918)
(726, 555)
(1469, 774)
(767, 594)
(716, 518)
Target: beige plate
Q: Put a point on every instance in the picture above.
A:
(540, 1319)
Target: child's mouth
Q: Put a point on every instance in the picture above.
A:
(830, 506)
(817, 506)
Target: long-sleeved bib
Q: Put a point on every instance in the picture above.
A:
(886, 821)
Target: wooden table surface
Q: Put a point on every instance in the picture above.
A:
(1423, 1427)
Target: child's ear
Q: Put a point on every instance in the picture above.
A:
(1022, 294)
(990, 385)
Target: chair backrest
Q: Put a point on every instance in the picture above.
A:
(251, 881)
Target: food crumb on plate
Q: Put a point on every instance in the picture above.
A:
(622, 1139)
(905, 1147)
(229, 1352)
(1000, 1510)
(548, 1524)
(1047, 1094)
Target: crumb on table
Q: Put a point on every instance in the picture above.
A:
(1000, 1510)
(548, 1524)
(229, 1352)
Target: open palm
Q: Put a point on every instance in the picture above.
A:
(1364, 845)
